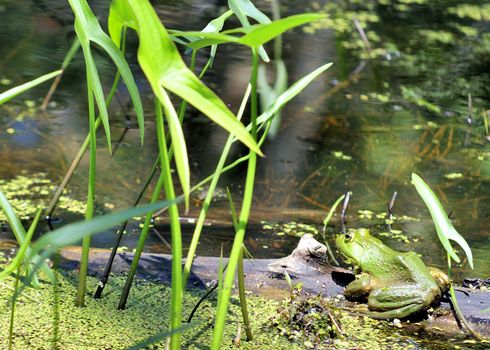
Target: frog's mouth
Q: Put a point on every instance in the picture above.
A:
(351, 260)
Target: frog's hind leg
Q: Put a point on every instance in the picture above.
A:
(401, 312)
(396, 302)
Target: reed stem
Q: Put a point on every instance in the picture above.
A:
(222, 308)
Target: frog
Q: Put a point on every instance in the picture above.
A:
(396, 284)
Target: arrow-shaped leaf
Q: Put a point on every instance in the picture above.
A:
(444, 227)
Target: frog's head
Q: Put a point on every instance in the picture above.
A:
(351, 244)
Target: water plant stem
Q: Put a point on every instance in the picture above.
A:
(12, 309)
(140, 245)
(241, 275)
(90, 197)
(222, 307)
(176, 235)
(75, 46)
(110, 261)
(454, 302)
(209, 196)
(85, 144)
(56, 307)
(243, 298)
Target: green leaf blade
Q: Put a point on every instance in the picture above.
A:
(444, 227)
(289, 94)
(262, 33)
(11, 93)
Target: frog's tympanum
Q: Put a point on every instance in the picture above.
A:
(396, 284)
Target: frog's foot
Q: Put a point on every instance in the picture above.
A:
(441, 278)
(401, 312)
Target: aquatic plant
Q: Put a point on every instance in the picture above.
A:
(445, 231)
(167, 73)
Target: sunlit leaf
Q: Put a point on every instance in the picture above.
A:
(268, 93)
(165, 69)
(262, 33)
(444, 227)
(21, 236)
(245, 8)
(88, 30)
(11, 93)
(289, 94)
(255, 35)
(19, 256)
(214, 26)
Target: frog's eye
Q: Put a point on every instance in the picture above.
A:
(348, 236)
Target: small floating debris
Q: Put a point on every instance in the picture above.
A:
(341, 155)
(452, 176)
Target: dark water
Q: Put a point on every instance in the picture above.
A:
(364, 126)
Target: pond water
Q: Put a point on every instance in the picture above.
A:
(411, 97)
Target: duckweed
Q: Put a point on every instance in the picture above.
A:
(291, 228)
(99, 325)
(27, 193)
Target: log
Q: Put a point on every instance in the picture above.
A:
(307, 264)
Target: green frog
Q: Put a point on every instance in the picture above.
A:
(396, 284)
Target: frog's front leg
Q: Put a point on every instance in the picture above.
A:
(361, 286)
(397, 302)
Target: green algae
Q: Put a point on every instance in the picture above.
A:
(316, 322)
(27, 193)
(292, 228)
(99, 325)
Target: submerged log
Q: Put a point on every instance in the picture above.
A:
(307, 264)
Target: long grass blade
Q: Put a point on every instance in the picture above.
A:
(12, 311)
(70, 234)
(21, 235)
(88, 30)
(241, 274)
(165, 69)
(11, 93)
(75, 46)
(222, 308)
(209, 196)
(82, 276)
(140, 246)
(19, 256)
(173, 212)
(158, 337)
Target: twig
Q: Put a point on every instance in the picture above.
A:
(344, 210)
(75, 46)
(362, 33)
(390, 209)
(334, 322)
(110, 261)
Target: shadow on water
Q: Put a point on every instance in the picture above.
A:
(365, 131)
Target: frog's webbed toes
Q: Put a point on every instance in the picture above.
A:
(441, 278)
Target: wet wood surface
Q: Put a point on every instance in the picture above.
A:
(307, 265)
